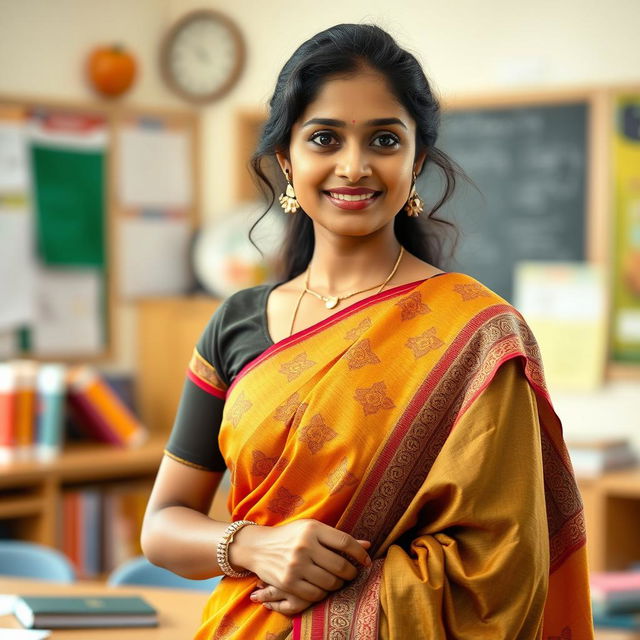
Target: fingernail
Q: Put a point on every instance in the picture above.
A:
(368, 561)
(253, 596)
(266, 605)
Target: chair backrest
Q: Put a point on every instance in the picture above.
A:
(139, 571)
(31, 560)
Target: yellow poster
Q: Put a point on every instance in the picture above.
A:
(626, 258)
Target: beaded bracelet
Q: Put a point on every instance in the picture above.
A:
(222, 551)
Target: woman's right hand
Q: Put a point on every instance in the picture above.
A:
(301, 558)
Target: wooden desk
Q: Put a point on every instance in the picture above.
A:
(178, 611)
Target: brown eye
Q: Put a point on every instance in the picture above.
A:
(391, 141)
(322, 136)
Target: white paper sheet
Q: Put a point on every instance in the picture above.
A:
(17, 268)
(154, 256)
(14, 166)
(68, 312)
(24, 634)
(155, 168)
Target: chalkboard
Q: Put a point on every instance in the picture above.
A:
(529, 164)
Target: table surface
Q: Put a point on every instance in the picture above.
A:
(179, 611)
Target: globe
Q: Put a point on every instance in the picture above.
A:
(225, 261)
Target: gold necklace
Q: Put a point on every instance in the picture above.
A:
(332, 301)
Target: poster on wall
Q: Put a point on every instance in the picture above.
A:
(67, 157)
(17, 248)
(626, 264)
(155, 196)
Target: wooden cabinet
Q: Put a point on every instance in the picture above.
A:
(612, 514)
(168, 329)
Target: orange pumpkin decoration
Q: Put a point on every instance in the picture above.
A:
(111, 70)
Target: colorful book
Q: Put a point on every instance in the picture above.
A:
(70, 528)
(51, 391)
(59, 612)
(615, 592)
(91, 526)
(100, 412)
(8, 408)
(26, 372)
(123, 512)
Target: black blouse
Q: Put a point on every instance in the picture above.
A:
(236, 334)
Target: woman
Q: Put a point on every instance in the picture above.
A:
(397, 469)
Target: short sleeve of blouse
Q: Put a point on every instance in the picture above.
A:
(194, 436)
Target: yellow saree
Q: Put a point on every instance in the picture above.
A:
(417, 418)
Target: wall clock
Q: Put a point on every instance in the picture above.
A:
(202, 56)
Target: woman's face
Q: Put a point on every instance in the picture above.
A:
(355, 134)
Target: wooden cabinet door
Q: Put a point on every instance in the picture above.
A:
(168, 329)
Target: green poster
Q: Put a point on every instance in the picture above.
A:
(70, 205)
(626, 258)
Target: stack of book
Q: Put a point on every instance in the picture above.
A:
(592, 458)
(100, 528)
(37, 398)
(615, 599)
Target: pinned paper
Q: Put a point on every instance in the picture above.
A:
(564, 303)
(14, 166)
(154, 256)
(68, 312)
(17, 267)
(155, 170)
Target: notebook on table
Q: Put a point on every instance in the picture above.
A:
(57, 612)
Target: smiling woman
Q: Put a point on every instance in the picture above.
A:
(397, 468)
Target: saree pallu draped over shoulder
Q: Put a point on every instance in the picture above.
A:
(419, 419)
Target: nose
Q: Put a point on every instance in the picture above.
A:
(352, 163)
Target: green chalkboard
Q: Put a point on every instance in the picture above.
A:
(529, 164)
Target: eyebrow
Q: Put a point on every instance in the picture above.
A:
(378, 122)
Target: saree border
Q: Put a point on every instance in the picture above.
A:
(493, 336)
(317, 327)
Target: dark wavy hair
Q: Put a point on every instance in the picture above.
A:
(342, 50)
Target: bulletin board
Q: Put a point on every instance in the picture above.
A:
(97, 206)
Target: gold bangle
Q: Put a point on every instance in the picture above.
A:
(222, 550)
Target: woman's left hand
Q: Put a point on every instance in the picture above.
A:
(278, 600)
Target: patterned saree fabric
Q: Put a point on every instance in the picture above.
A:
(417, 418)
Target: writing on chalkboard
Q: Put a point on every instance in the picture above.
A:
(529, 164)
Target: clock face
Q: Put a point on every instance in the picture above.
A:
(202, 56)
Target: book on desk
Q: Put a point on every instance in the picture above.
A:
(64, 612)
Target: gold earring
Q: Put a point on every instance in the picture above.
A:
(288, 198)
(414, 206)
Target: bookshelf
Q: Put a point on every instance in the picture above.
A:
(31, 492)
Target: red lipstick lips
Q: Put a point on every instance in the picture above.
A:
(350, 204)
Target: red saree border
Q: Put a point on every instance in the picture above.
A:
(490, 338)
(301, 335)
(205, 386)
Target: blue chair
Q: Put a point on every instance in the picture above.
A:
(139, 571)
(30, 560)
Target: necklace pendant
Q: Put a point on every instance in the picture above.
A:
(330, 302)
